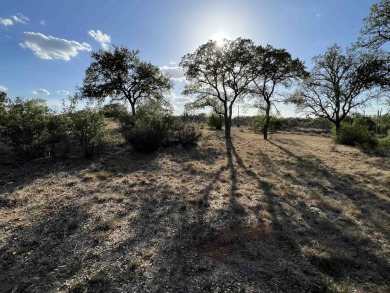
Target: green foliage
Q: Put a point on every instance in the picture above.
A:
(150, 128)
(376, 29)
(31, 128)
(215, 121)
(356, 134)
(121, 75)
(87, 126)
(186, 134)
(258, 122)
(219, 75)
(154, 127)
(384, 145)
(115, 110)
(336, 85)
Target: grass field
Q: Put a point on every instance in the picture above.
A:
(292, 214)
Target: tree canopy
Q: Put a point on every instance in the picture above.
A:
(273, 68)
(219, 74)
(376, 28)
(336, 86)
(121, 75)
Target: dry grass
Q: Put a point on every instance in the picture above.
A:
(294, 214)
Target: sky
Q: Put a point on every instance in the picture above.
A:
(45, 45)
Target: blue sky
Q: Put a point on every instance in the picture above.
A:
(45, 45)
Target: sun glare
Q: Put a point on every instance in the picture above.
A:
(220, 39)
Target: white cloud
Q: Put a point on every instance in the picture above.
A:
(40, 92)
(42, 22)
(13, 19)
(63, 92)
(3, 88)
(103, 39)
(174, 71)
(6, 21)
(179, 99)
(49, 48)
(20, 18)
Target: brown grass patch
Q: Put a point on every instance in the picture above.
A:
(292, 214)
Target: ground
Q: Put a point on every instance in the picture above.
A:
(292, 214)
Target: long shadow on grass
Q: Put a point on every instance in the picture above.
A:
(16, 174)
(335, 248)
(338, 248)
(40, 257)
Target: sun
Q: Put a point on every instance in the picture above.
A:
(220, 39)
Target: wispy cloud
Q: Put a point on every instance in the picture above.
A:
(49, 48)
(174, 71)
(42, 22)
(40, 92)
(63, 92)
(14, 19)
(103, 39)
(3, 88)
(179, 99)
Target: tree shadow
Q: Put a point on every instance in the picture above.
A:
(153, 236)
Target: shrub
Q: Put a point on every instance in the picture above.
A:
(257, 123)
(114, 110)
(153, 127)
(87, 127)
(356, 134)
(187, 134)
(215, 121)
(384, 145)
(31, 128)
(149, 129)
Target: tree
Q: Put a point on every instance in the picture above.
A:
(122, 75)
(3, 99)
(335, 86)
(274, 68)
(219, 74)
(376, 28)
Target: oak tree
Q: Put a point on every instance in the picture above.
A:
(274, 68)
(219, 75)
(335, 87)
(121, 75)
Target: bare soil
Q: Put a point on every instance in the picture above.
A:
(292, 214)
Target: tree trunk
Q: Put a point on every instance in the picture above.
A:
(338, 127)
(266, 122)
(132, 108)
(228, 124)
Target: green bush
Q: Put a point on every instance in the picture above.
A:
(114, 110)
(215, 121)
(384, 145)
(187, 134)
(153, 127)
(31, 128)
(356, 134)
(88, 127)
(257, 123)
(149, 129)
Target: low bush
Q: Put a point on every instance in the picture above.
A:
(384, 145)
(187, 135)
(356, 134)
(148, 130)
(215, 121)
(31, 128)
(153, 127)
(257, 123)
(88, 127)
